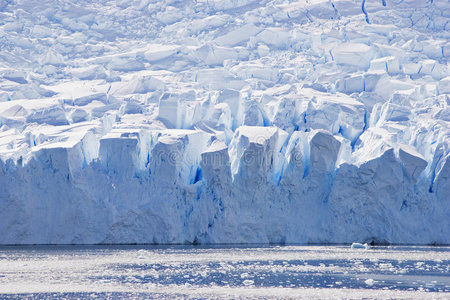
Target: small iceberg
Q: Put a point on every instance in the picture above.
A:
(360, 246)
(370, 282)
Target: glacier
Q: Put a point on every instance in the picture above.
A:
(224, 121)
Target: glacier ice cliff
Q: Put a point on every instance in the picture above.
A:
(224, 122)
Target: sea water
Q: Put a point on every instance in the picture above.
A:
(139, 272)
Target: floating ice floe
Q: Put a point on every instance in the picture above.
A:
(360, 246)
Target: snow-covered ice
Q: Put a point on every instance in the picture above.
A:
(224, 121)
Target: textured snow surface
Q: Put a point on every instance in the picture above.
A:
(224, 121)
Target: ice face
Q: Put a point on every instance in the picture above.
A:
(352, 54)
(224, 122)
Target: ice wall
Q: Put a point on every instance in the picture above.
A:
(224, 122)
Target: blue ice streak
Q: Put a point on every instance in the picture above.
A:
(364, 11)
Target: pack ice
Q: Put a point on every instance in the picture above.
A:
(224, 121)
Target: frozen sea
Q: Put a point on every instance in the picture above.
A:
(260, 271)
